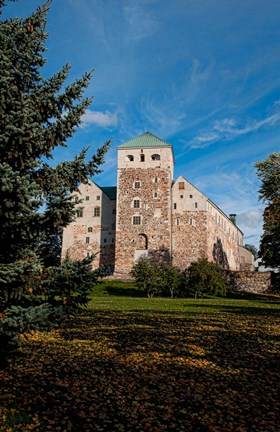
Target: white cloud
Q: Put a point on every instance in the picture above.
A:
(141, 23)
(228, 128)
(104, 119)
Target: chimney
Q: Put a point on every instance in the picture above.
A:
(232, 217)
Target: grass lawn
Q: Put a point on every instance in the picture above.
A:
(129, 363)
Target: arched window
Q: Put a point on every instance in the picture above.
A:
(129, 158)
(142, 157)
(155, 157)
(142, 242)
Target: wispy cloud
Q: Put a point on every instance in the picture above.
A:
(141, 22)
(230, 128)
(105, 119)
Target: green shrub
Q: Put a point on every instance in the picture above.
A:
(169, 279)
(204, 277)
(147, 276)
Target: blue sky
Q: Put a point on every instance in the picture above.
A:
(203, 75)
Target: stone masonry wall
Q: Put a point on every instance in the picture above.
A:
(92, 233)
(249, 281)
(154, 232)
(188, 240)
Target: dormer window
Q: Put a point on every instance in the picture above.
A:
(129, 158)
(155, 157)
(142, 157)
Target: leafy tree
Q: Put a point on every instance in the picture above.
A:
(252, 249)
(147, 276)
(37, 115)
(269, 173)
(170, 279)
(204, 277)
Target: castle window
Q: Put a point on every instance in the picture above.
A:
(87, 239)
(114, 211)
(181, 185)
(129, 158)
(155, 194)
(195, 204)
(142, 157)
(136, 220)
(105, 241)
(181, 196)
(175, 206)
(190, 221)
(156, 179)
(79, 212)
(191, 196)
(113, 240)
(87, 198)
(98, 197)
(155, 157)
(136, 203)
(96, 212)
(89, 229)
(137, 185)
(178, 221)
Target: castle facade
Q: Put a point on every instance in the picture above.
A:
(150, 215)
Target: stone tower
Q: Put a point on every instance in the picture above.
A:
(143, 225)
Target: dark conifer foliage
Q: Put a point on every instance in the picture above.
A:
(37, 114)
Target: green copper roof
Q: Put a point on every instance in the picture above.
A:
(110, 191)
(145, 140)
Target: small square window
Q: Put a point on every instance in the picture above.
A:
(89, 229)
(79, 212)
(87, 239)
(137, 185)
(98, 197)
(105, 240)
(87, 198)
(191, 196)
(136, 203)
(181, 196)
(136, 220)
(181, 185)
(96, 212)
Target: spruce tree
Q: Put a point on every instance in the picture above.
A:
(37, 114)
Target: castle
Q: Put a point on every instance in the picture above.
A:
(149, 214)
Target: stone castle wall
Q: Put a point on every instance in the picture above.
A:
(153, 235)
(250, 281)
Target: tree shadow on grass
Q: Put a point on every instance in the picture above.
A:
(242, 310)
(123, 292)
(148, 371)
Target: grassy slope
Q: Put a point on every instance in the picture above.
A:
(129, 363)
